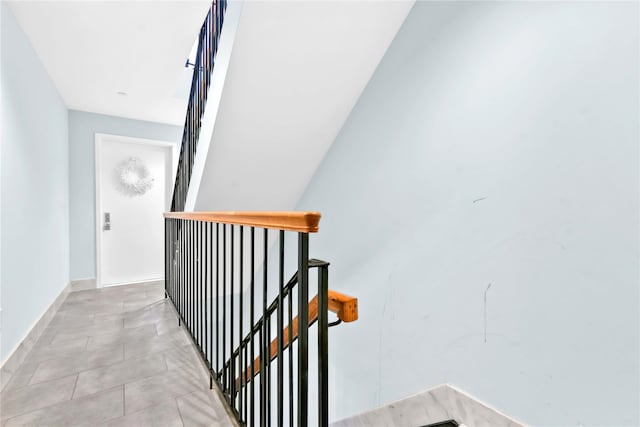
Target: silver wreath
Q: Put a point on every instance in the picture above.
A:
(132, 177)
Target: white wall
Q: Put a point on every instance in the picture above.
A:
(34, 187)
(497, 143)
(82, 129)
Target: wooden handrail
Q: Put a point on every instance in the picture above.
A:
(305, 222)
(346, 307)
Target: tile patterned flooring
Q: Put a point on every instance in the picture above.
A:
(113, 357)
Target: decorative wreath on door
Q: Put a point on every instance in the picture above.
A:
(132, 177)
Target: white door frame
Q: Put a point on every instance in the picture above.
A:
(100, 139)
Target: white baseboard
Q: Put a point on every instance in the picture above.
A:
(157, 281)
(20, 352)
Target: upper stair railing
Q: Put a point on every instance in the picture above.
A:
(205, 59)
(251, 326)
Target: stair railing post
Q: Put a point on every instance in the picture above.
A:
(303, 329)
(323, 346)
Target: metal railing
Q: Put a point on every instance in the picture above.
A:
(218, 274)
(205, 59)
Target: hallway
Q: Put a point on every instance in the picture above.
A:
(114, 356)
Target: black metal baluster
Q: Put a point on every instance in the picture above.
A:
(185, 314)
(268, 344)
(183, 271)
(207, 249)
(187, 299)
(191, 262)
(218, 301)
(166, 252)
(200, 284)
(196, 263)
(246, 385)
(241, 367)
(264, 354)
(174, 257)
(280, 308)
(167, 258)
(188, 260)
(290, 353)
(212, 363)
(192, 258)
(194, 282)
(184, 276)
(252, 323)
(323, 347)
(180, 269)
(232, 382)
(224, 306)
(303, 327)
(262, 382)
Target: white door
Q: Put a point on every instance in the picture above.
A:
(133, 190)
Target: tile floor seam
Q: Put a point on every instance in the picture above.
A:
(139, 356)
(125, 383)
(82, 371)
(43, 382)
(25, 385)
(27, 360)
(5, 420)
(75, 385)
(164, 359)
(175, 399)
(147, 408)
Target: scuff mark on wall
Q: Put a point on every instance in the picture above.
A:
(485, 312)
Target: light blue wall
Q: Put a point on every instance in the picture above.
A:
(82, 197)
(34, 187)
(497, 143)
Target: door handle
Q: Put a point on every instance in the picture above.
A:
(107, 222)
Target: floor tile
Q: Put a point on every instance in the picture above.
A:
(22, 376)
(87, 330)
(155, 343)
(132, 306)
(77, 362)
(149, 318)
(88, 307)
(202, 408)
(169, 325)
(87, 411)
(165, 414)
(63, 319)
(121, 337)
(33, 397)
(181, 357)
(42, 351)
(153, 390)
(119, 373)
